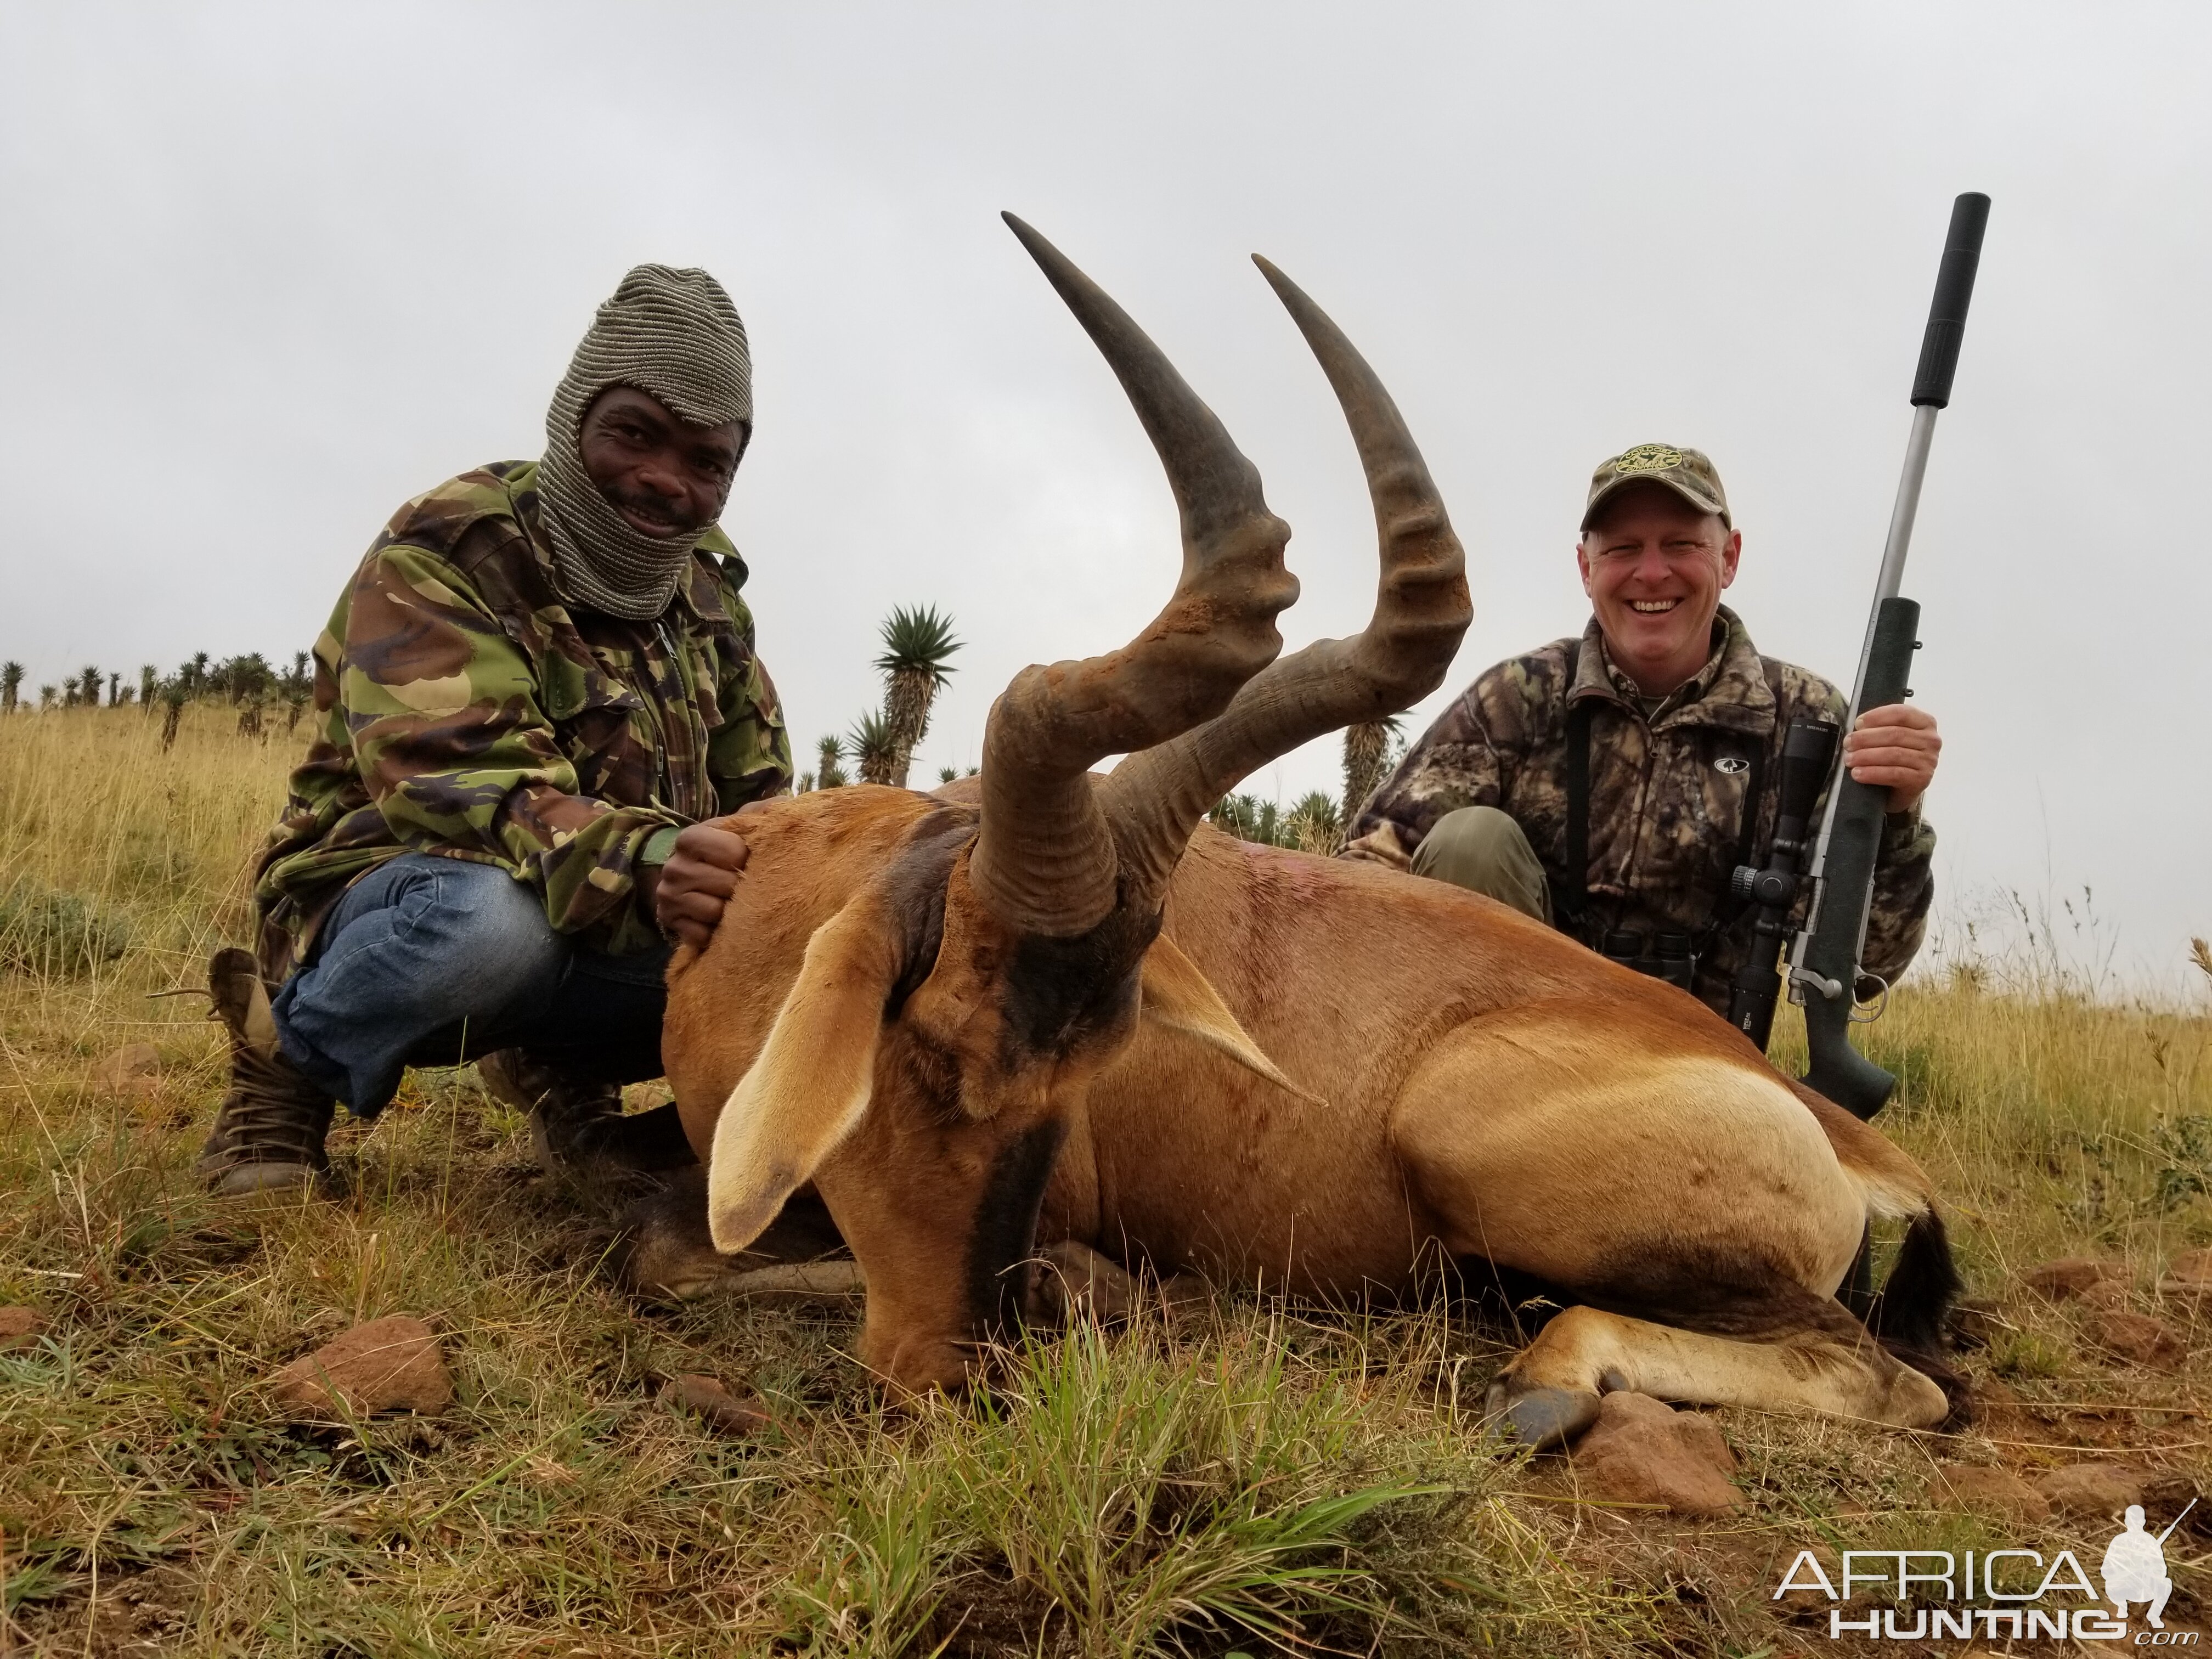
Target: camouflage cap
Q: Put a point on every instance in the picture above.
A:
(1688, 472)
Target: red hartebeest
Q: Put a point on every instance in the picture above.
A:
(1056, 1007)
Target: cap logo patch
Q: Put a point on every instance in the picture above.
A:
(1729, 765)
(1648, 458)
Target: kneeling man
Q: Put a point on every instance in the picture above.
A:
(535, 696)
(1666, 726)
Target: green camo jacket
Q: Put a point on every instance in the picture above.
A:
(462, 708)
(1665, 791)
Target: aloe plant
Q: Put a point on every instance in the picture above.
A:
(916, 643)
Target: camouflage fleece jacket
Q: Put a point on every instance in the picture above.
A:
(462, 708)
(1666, 791)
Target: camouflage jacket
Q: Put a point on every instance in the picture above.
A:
(463, 709)
(1666, 800)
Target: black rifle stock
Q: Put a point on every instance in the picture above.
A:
(1809, 748)
(1825, 971)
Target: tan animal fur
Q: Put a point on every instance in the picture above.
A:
(1050, 1011)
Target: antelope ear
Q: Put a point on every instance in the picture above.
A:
(811, 1081)
(1178, 996)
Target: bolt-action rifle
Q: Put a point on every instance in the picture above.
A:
(1825, 974)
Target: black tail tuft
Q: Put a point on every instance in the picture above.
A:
(1916, 1299)
(1909, 1316)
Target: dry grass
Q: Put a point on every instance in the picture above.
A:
(1251, 1478)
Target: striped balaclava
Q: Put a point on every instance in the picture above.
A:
(675, 336)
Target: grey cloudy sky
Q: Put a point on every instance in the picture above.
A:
(268, 271)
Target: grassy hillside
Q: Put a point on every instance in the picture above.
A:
(1192, 1483)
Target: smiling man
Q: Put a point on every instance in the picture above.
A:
(536, 702)
(1680, 725)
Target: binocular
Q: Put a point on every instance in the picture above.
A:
(1664, 955)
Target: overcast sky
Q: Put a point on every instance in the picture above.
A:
(268, 271)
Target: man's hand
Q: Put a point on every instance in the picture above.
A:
(687, 893)
(1895, 744)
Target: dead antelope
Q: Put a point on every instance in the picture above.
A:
(1058, 1008)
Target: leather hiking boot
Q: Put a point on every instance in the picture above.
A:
(577, 1125)
(268, 1132)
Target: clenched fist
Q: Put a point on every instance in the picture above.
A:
(687, 893)
(1895, 744)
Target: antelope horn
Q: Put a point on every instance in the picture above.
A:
(1154, 800)
(1044, 859)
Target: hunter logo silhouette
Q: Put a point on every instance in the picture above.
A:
(2135, 1567)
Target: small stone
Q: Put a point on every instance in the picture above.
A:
(2070, 1276)
(1970, 1486)
(19, 1327)
(1641, 1450)
(2140, 1338)
(1994, 1391)
(2188, 1279)
(2093, 1490)
(388, 1365)
(1975, 1324)
(132, 1072)
(725, 1412)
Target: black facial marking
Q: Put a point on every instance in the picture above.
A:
(1006, 1229)
(1061, 992)
(916, 891)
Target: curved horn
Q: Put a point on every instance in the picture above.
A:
(1153, 800)
(1044, 859)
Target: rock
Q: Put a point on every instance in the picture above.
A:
(2106, 1293)
(1994, 1391)
(19, 1326)
(2188, 1280)
(722, 1411)
(1968, 1486)
(2140, 1338)
(1975, 1324)
(132, 1072)
(1641, 1450)
(2101, 1492)
(2070, 1276)
(388, 1365)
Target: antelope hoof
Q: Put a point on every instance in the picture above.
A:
(1540, 1419)
(1074, 1282)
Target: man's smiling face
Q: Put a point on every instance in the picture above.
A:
(1654, 567)
(665, 476)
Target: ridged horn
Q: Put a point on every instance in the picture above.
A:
(1045, 860)
(1154, 800)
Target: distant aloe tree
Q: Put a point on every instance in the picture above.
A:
(1245, 817)
(1366, 758)
(11, 686)
(46, 693)
(194, 674)
(149, 685)
(947, 774)
(873, 747)
(1313, 826)
(296, 688)
(175, 693)
(829, 773)
(243, 678)
(916, 643)
(115, 692)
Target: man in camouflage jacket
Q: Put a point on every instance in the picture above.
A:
(1684, 715)
(534, 701)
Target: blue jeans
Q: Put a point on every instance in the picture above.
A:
(433, 961)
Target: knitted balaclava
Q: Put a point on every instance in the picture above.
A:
(674, 335)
